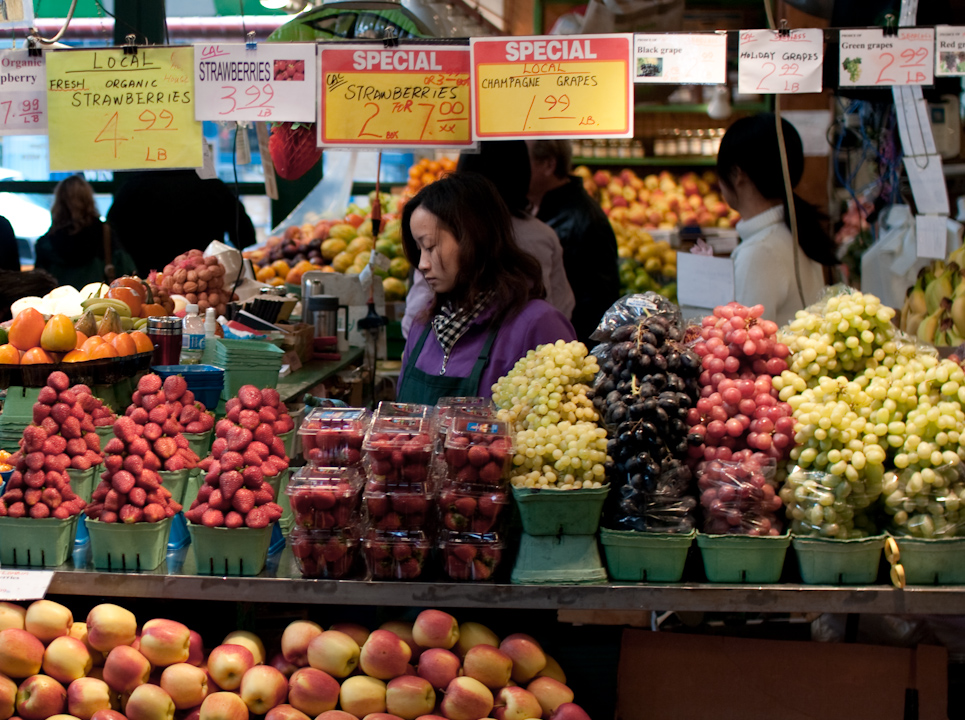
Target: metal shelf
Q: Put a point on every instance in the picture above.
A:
(175, 579)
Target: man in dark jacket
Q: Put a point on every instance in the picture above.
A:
(589, 245)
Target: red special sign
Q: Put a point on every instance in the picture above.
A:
(530, 87)
(404, 96)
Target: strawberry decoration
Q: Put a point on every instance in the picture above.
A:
(294, 149)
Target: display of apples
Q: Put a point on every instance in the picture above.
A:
(332, 437)
(325, 498)
(327, 554)
(246, 451)
(399, 671)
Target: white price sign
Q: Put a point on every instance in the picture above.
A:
(950, 44)
(870, 58)
(274, 82)
(775, 63)
(24, 584)
(692, 59)
(23, 94)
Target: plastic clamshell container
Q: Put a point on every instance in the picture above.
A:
(323, 554)
(929, 561)
(448, 407)
(332, 437)
(229, 551)
(325, 498)
(478, 450)
(403, 410)
(135, 547)
(826, 561)
(397, 452)
(633, 556)
(45, 542)
(467, 508)
(470, 556)
(82, 481)
(398, 509)
(396, 556)
(205, 381)
(743, 558)
(560, 512)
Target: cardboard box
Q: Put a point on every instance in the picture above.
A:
(670, 676)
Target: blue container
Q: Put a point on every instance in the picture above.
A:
(205, 381)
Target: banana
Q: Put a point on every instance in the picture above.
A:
(913, 322)
(99, 305)
(916, 301)
(127, 324)
(929, 327)
(140, 323)
(940, 287)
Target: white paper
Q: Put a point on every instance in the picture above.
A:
(379, 261)
(772, 63)
(207, 170)
(930, 231)
(927, 184)
(16, 14)
(704, 281)
(812, 126)
(680, 58)
(914, 123)
(869, 58)
(950, 46)
(233, 82)
(23, 94)
(17, 585)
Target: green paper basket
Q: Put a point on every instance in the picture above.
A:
(195, 480)
(46, 542)
(176, 481)
(939, 561)
(82, 481)
(646, 557)
(200, 443)
(558, 560)
(105, 433)
(229, 551)
(824, 561)
(136, 547)
(743, 558)
(560, 512)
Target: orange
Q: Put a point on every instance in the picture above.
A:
(142, 342)
(128, 296)
(109, 337)
(76, 356)
(92, 342)
(124, 344)
(280, 267)
(132, 283)
(26, 329)
(354, 219)
(36, 356)
(265, 274)
(59, 334)
(9, 355)
(104, 350)
(153, 310)
(81, 339)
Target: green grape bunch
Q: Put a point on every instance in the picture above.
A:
(852, 66)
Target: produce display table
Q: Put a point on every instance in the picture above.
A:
(293, 386)
(279, 582)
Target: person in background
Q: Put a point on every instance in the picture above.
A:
(752, 182)
(79, 248)
(487, 309)
(9, 251)
(506, 165)
(589, 245)
(165, 213)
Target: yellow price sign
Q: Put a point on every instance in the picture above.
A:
(117, 110)
(412, 95)
(552, 87)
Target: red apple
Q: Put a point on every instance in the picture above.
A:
(46, 620)
(334, 652)
(21, 654)
(11, 616)
(472, 634)
(527, 656)
(223, 706)
(149, 702)
(248, 640)
(361, 695)
(39, 697)
(382, 716)
(165, 642)
(108, 715)
(227, 664)
(125, 669)
(78, 630)
(569, 711)
(359, 633)
(66, 659)
(336, 715)
(280, 664)
(515, 703)
(109, 626)
(312, 691)
(435, 629)
(409, 697)
(466, 699)
(384, 655)
(8, 697)
(286, 712)
(186, 684)
(439, 667)
(295, 640)
(404, 631)
(552, 670)
(262, 688)
(195, 650)
(550, 693)
(488, 665)
(87, 695)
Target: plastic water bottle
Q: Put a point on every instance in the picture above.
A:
(210, 336)
(192, 336)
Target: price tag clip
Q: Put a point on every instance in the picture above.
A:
(250, 42)
(891, 26)
(33, 47)
(784, 30)
(130, 44)
(390, 40)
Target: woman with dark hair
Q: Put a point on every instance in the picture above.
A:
(80, 249)
(767, 265)
(506, 165)
(487, 309)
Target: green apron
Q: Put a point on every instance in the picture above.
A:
(420, 387)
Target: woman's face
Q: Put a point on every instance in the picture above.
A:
(438, 250)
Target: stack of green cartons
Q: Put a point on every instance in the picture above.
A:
(247, 362)
(17, 415)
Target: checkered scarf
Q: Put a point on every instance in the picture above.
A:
(452, 323)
